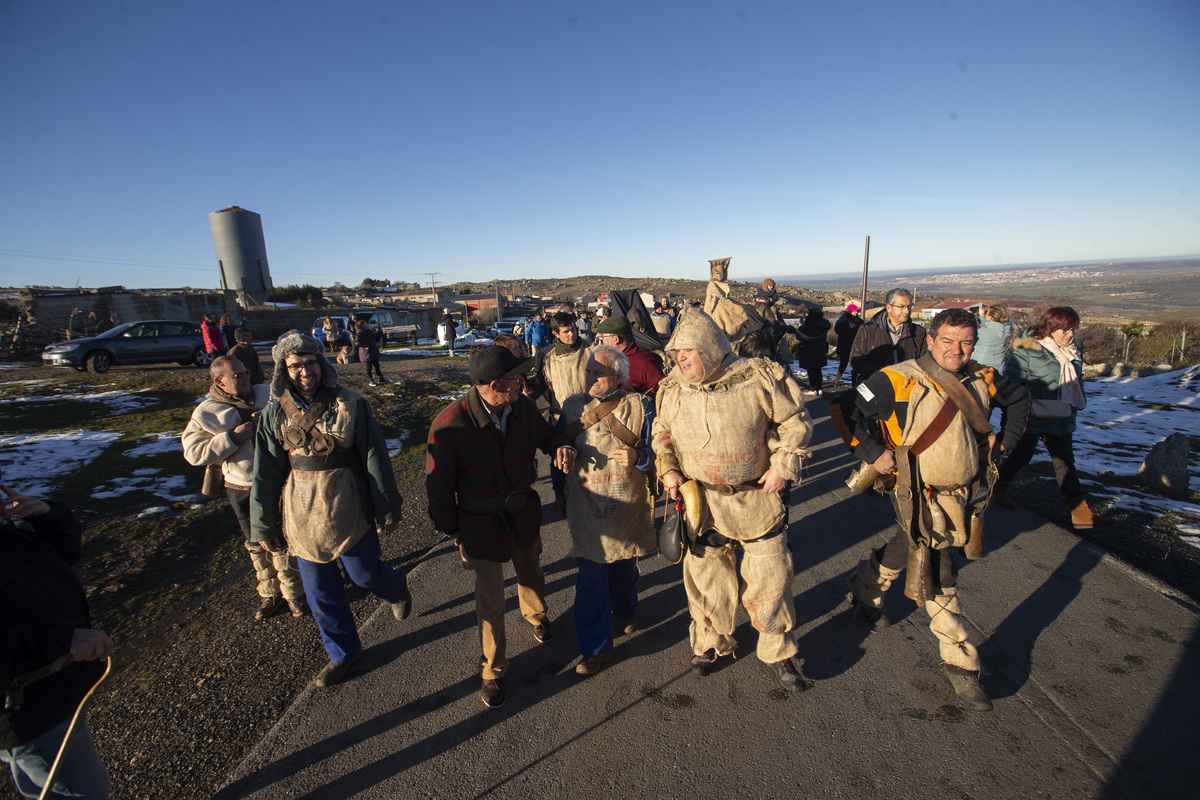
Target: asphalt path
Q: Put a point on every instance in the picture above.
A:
(1094, 670)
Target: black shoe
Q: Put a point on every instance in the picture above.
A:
(966, 686)
(269, 607)
(336, 673)
(543, 632)
(402, 607)
(789, 677)
(492, 693)
(703, 664)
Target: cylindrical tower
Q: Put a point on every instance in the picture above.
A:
(241, 251)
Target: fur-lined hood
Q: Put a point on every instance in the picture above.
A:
(1027, 342)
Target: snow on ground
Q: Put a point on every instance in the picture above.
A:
(39, 462)
(172, 488)
(395, 445)
(26, 383)
(118, 402)
(13, 366)
(154, 443)
(441, 353)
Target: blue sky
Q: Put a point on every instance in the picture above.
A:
(541, 139)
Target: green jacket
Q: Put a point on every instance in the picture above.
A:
(1036, 368)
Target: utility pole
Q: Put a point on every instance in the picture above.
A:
(866, 259)
(433, 280)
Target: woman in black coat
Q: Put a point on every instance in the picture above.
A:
(812, 347)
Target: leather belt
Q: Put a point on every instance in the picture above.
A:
(730, 488)
(236, 486)
(514, 501)
(338, 459)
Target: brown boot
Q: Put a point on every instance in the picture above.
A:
(1000, 495)
(1082, 517)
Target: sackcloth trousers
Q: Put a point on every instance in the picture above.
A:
(273, 572)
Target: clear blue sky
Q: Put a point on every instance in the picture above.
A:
(540, 139)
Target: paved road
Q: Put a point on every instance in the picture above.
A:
(1093, 668)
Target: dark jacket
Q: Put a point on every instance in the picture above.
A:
(470, 468)
(1036, 368)
(42, 603)
(812, 347)
(246, 354)
(846, 328)
(873, 349)
(367, 342)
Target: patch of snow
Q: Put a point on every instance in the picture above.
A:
(395, 445)
(154, 510)
(172, 488)
(25, 383)
(160, 443)
(118, 402)
(12, 366)
(41, 460)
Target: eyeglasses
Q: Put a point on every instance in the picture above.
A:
(307, 366)
(902, 308)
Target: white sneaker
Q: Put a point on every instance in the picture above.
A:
(372, 383)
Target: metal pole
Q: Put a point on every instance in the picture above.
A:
(866, 259)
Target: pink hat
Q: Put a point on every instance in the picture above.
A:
(851, 307)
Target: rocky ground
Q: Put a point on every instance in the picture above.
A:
(198, 682)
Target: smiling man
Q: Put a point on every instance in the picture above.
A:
(323, 483)
(738, 428)
(929, 426)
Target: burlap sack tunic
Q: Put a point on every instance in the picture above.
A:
(608, 506)
(323, 511)
(743, 417)
(566, 375)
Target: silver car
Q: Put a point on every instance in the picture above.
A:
(151, 342)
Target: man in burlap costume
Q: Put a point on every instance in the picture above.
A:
(739, 429)
(220, 436)
(606, 501)
(560, 366)
(933, 432)
(323, 483)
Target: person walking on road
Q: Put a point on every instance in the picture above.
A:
(846, 328)
(931, 430)
(737, 428)
(479, 472)
(812, 349)
(367, 341)
(220, 435)
(606, 502)
(323, 483)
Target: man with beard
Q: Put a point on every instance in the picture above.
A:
(220, 436)
(737, 428)
(323, 483)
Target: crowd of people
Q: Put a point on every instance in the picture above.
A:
(721, 426)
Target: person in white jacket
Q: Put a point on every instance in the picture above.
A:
(221, 431)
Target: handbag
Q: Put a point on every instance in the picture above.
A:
(1050, 409)
(672, 535)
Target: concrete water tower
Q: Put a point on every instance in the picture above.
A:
(241, 254)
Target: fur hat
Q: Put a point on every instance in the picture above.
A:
(295, 343)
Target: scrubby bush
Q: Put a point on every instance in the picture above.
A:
(305, 296)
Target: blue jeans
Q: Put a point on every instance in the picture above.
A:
(326, 592)
(81, 775)
(602, 591)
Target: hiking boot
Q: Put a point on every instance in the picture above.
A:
(336, 673)
(492, 692)
(625, 626)
(966, 686)
(703, 663)
(873, 617)
(543, 632)
(402, 607)
(593, 664)
(789, 677)
(1000, 495)
(298, 607)
(1082, 517)
(269, 607)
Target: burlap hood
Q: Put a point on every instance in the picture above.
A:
(299, 343)
(697, 331)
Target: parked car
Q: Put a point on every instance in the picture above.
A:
(343, 337)
(151, 342)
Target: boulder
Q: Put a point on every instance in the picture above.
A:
(1096, 370)
(1165, 469)
(1122, 370)
(1163, 369)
